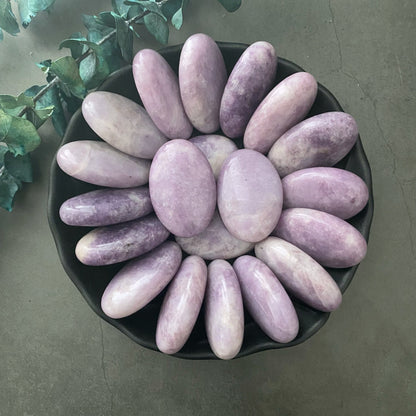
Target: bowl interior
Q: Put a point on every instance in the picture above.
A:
(92, 281)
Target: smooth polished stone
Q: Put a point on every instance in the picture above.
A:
(158, 87)
(331, 241)
(250, 195)
(120, 242)
(216, 149)
(250, 80)
(266, 299)
(332, 190)
(215, 242)
(181, 305)
(101, 164)
(106, 206)
(300, 274)
(286, 105)
(321, 140)
(122, 123)
(182, 188)
(141, 280)
(202, 78)
(224, 312)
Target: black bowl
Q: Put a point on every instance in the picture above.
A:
(141, 326)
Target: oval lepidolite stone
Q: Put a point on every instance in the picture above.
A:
(286, 105)
(250, 80)
(331, 241)
(122, 123)
(216, 149)
(250, 195)
(106, 207)
(182, 188)
(202, 78)
(266, 299)
(215, 242)
(158, 87)
(101, 164)
(321, 140)
(332, 190)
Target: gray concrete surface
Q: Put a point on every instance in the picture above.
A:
(57, 358)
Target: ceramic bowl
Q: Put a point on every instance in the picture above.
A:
(141, 326)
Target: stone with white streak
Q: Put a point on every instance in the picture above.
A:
(202, 78)
(181, 305)
(250, 195)
(100, 164)
(141, 280)
(158, 87)
(122, 123)
(300, 274)
(224, 312)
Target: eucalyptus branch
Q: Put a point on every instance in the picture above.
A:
(87, 53)
(109, 44)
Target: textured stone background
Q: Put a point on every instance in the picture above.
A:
(58, 358)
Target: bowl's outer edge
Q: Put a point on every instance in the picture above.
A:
(54, 219)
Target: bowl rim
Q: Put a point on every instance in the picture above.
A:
(53, 217)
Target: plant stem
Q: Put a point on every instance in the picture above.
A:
(55, 80)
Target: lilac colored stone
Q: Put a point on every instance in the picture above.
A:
(158, 87)
(106, 206)
(100, 164)
(215, 148)
(250, 80)
(116, 243)
(215, 242)
(286, 105)
(335, 191)
(202, 78)
(300, 274)
(122, 123)
(141, 280)
(250, 195)
(321, 140)
(182, 188)
(181, 305)
(330, 240)
(266, 299)
(224, 312)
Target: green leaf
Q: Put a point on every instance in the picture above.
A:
(231, 5)
(28, 9)
(8, 20)
(157, 27)
(14, 105)
(148, 5)
(75, 44)
(93, 70)
(134, 11)
(120, 7)
(177, 19)
(67, 70)
(19, 166)
(8, 188)
(50, 99)
(170, 8)
(124, 38)
(38, 117)
(18, 134)
(105, 19)
(96, 29)
(1, 34)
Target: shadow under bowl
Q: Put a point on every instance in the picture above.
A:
(92, 281)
